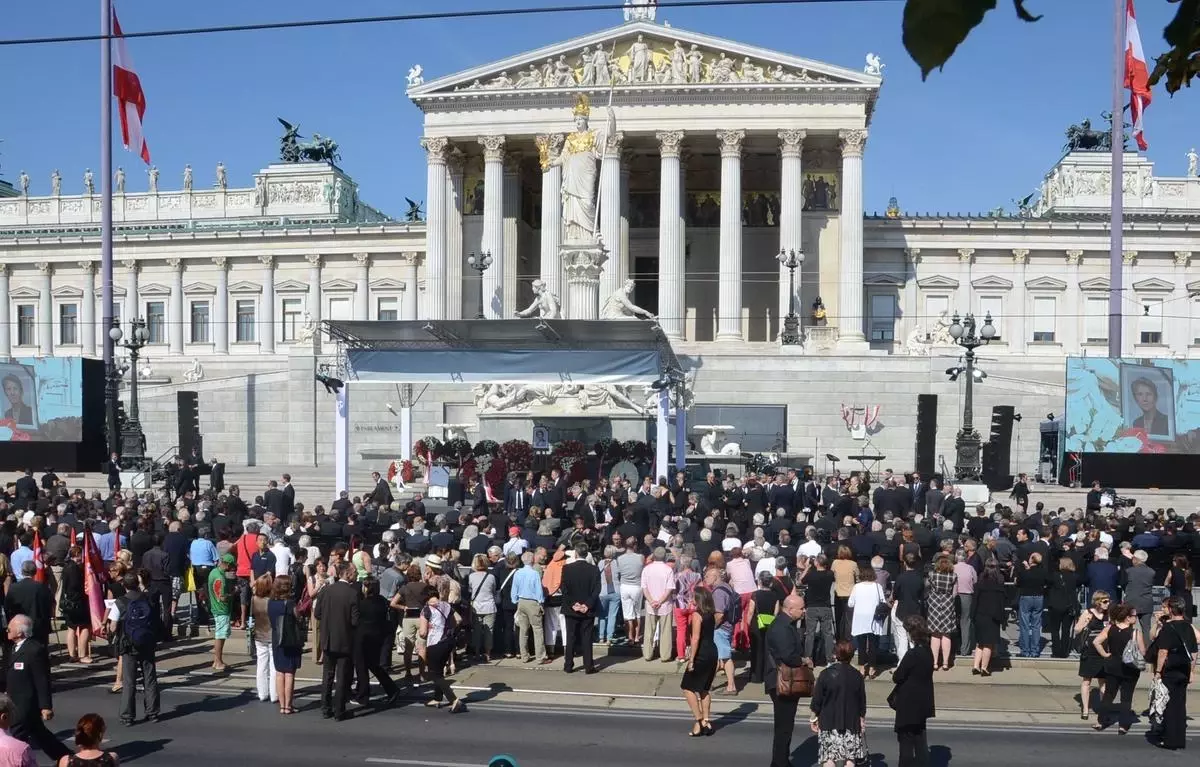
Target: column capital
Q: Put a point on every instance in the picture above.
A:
(670, 142)
(852, 142)
(456, 160)
(130, 264)
(362, 259)
(966, 254)
(4, 270)
(584, 264)
(221, 262)
(1128, 257)
(88, 267)
(175, 263)
(313, 259)
(493, 148)
(914, 254)
(791, 142)
(1074, 256)
(267, 261)
(548, 146)
(731, 142)
(45, 267)
(1020, 255)
(1182, 257)
(412, 257)
(435, 148)
(612, 144)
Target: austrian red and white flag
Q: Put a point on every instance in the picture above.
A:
(1137, 75)
(127, 88)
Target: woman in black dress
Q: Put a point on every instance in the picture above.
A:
(287, 641)
(1119, 677)
(1091, 665)
(988, 609)
(1180, 582)
(912, 699)
(765, 603)
(702, 663)
(74, 608)
(1062, 606)
(1175, 664)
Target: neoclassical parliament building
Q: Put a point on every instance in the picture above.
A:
(716, 156)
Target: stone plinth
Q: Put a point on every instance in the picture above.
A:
(583, 264)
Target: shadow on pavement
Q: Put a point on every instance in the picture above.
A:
(494, 689)
(940, 756)
(136, 749)
(208, 704)
(738, 714)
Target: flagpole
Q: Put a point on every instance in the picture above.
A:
(106, 231)
(1116, 267)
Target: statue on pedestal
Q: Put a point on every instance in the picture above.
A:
(153, 173)
(939, 335)
(89, 182)
(56, 183)
(1192, 159)
(545, 304)
(619, 307)
(120, 181)
(578, 158)
(308, 330)
(24, 178)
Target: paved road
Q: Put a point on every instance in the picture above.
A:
(204, 725)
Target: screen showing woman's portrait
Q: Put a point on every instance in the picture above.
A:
(19, 396)
(1148, 400)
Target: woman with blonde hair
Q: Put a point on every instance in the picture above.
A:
(264, 663)
(1087, 629)
(115, 590)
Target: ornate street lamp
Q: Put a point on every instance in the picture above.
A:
(967, 443)
(480, 264)
(133, 439)
(791, 260)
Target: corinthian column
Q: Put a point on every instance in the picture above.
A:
(791, 203)
(583, 268)
(512, 217)
(493, 225)
(46, 309)
(266, 341)
(6, 325)
(88, 308)
(435, 223)
(549, 145)
(132, 310)
(729, 301)
(610, 213)
(850, 291)
(221, 323)
(175, 324)
(362, 286)
(455, 164)
(670, 236)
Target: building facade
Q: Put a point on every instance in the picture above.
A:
(714, 157)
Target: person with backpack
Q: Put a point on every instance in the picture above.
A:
(728, 613)
(135, 624)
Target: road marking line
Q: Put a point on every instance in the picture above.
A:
(418, 763)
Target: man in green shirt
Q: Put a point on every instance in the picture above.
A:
(220, 601)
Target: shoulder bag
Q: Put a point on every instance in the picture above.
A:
(793, 681)
(882, 609)
(1130, 655)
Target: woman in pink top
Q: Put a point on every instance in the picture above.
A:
(686, 579)
(964, 590)
(741, 580)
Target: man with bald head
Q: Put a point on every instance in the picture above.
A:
(785, 646)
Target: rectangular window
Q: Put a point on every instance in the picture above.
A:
(1044, 320)
(68, 324)
(156, 321)
(199, 322)
(1095, 320)
(339, 308)
(26, 325)
(387, 309)
(246, 321)
(292, 322)
(883, 318)
(994, 306)
(1150, 323)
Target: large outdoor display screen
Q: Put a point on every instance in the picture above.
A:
(43, 400)
(1132, 405)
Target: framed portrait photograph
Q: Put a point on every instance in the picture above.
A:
(20, 395)
(1148, 400)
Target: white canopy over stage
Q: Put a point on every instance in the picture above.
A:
(531, 352)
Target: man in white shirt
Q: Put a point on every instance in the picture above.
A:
(283, 557)
(810, 548)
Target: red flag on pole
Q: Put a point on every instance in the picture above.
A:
(39, 558)
(94, 577)
(1137, 75)
(127, 89)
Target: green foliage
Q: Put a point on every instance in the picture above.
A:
(1181, 62)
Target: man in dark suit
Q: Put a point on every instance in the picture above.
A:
(382, 494)
(27, 488)
(216, 476)
(784, 646)
(289, 498)
(183, 480)
(917, 490)
(933, 499)
(28, 681)
(517, 501)
(337, 609)
(580, 597)
(113, 469)
(273, 499)
(479, 503)
(33, 600)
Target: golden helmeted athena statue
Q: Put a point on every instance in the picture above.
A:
(580, 152)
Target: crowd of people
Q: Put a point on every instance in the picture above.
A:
(783, 573)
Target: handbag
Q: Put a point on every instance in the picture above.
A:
(288, 629)
(1130, 655)
(794, 681)
(882, 609)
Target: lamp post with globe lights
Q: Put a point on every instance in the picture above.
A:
(480, 264)
(791, 260)
(967, 443)
(133, 439)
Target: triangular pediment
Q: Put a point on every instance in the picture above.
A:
(154, 289)
(884, 281)
(1045, 283)
(243, 286)
(706, 62)
(291, 286)
(387, 283)
(992, 282)
(67, 291)
(1154, 285)
(24, 292)
(199, 288)
(338, 286)
(1096, 284)
(937, 281)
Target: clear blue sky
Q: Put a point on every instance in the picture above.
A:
(975, 136)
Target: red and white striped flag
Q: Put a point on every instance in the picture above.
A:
(39, 558)
(127, 88)
(1137, 75)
